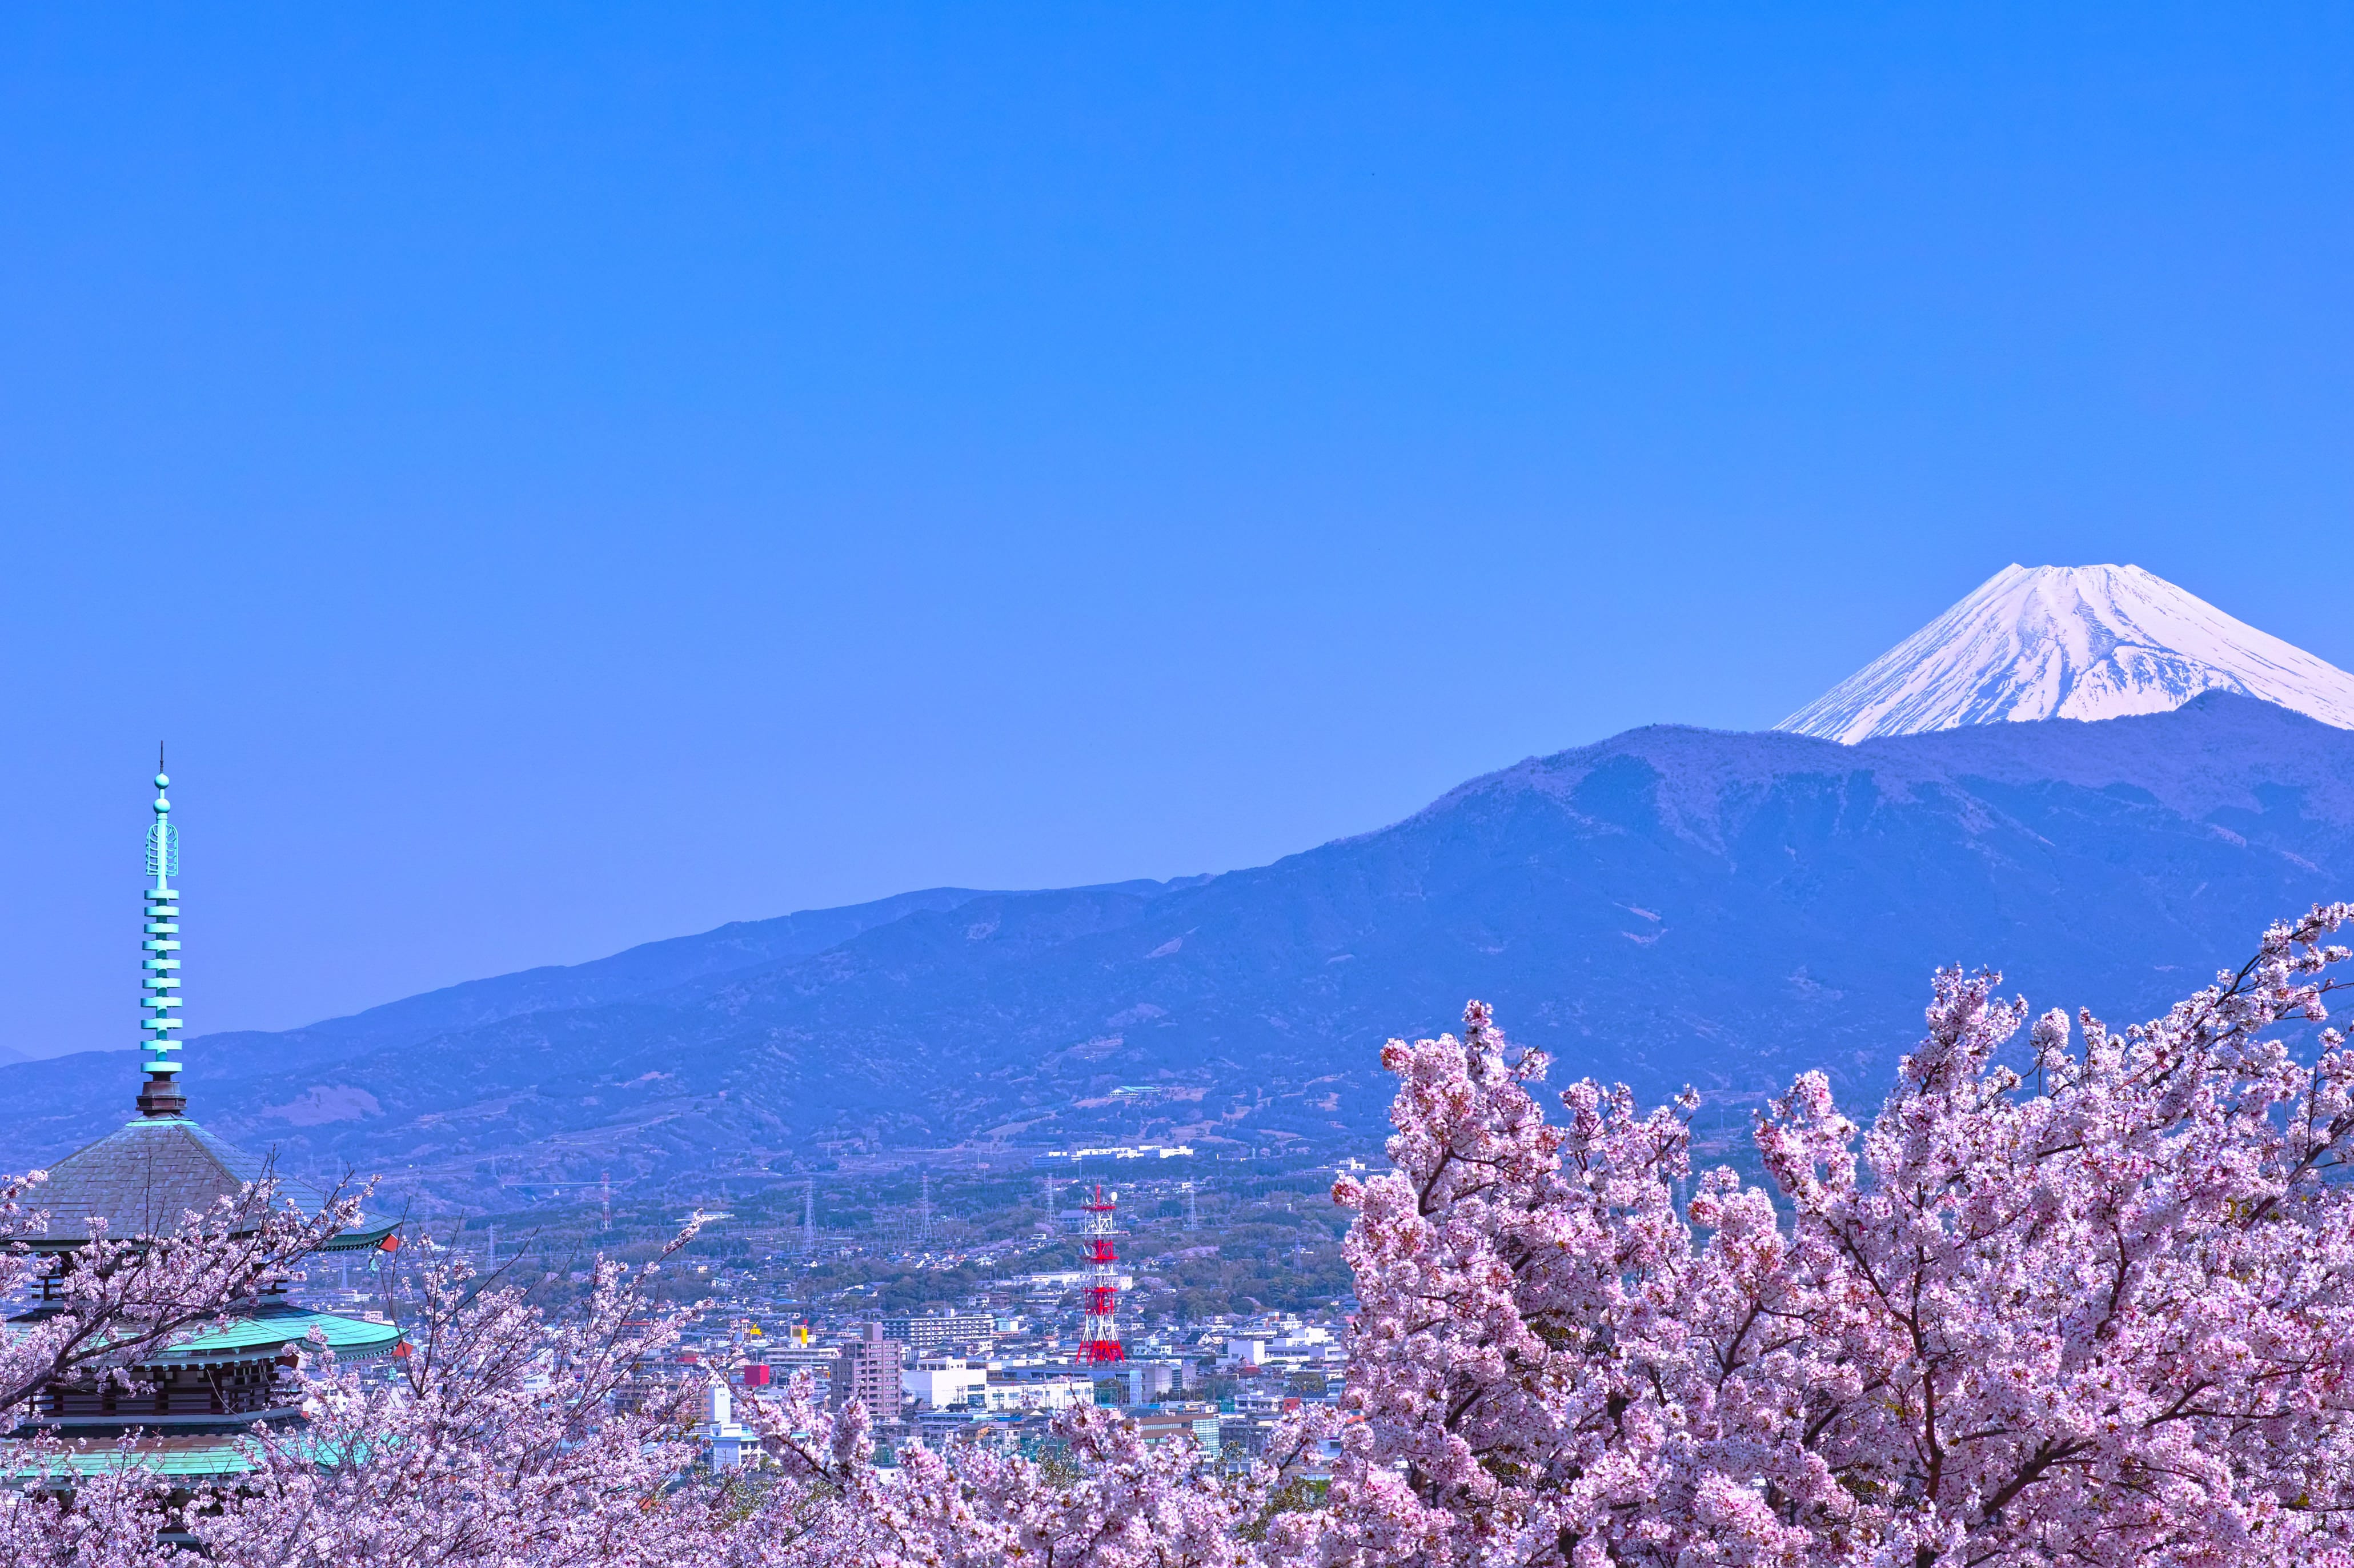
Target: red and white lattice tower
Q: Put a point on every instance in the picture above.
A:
(1100, 1343)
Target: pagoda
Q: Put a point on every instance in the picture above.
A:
(191, 1399)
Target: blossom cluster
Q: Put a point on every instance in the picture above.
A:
(2088, 1301)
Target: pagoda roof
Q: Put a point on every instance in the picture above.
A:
(349, 1339)
(193, 1457)
(261, 1333)
(144, 1176)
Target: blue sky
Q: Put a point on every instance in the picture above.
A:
(561, 476)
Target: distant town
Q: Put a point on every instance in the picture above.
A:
(955, 1302)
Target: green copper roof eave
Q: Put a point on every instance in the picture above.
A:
(365, 1240)
(196, 1458)
(349, 1338)
(193, 1457)
(359, 1240)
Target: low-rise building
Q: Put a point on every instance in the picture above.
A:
(727, 1444)
(1291, 1348)
(939, 1428)
(1143, 1382)
(1244, 1437)
(787, 1360)
(1060, 1390)
(1197, 1426)
(944, 1383)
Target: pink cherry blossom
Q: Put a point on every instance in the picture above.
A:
(2094, 1307)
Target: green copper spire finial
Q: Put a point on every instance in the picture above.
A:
(160, 1095)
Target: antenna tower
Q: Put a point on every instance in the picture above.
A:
(924, 1208)
(809, 1219)
(1099, 1340)
(605, 1191)
(1193, 1209)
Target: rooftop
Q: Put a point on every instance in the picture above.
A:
(144, 1176)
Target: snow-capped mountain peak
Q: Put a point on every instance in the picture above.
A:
(2083, 643)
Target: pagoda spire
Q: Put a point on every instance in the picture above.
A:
(160, 1096)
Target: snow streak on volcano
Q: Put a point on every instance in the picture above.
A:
(2083, 643)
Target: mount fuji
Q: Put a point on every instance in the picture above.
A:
(1669, 906)
(2079, 642)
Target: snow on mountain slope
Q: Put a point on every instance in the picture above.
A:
(2080, 642)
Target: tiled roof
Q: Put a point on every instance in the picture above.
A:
(143, 1177)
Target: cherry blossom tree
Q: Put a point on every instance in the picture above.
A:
(115, 1301)
(106, 1310)
(510, 1435)
(114, 1516)
(503, 1435)
(2093, 1305)
(1109, 1499)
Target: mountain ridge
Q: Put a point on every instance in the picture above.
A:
(1666, 906)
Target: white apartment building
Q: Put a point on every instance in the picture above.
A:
(944, 1383)
(954, 1383)
(1291, 1349)
(726, 1443)
(1046, 1395)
